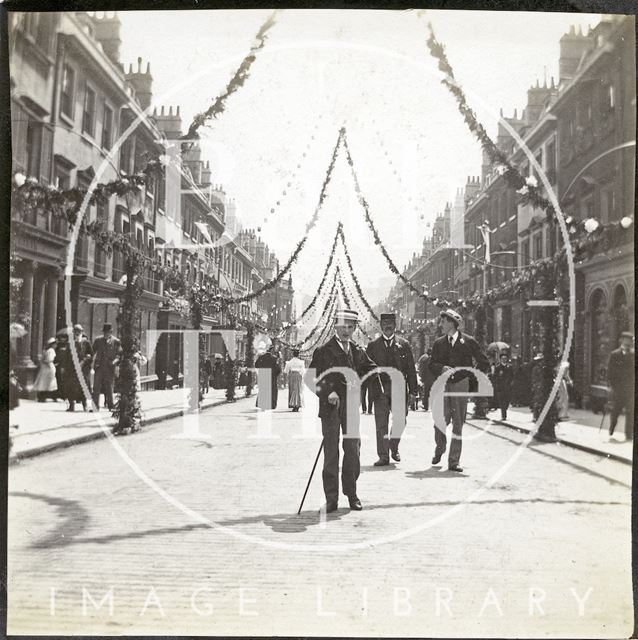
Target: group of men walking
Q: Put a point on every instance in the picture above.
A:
(388, 351)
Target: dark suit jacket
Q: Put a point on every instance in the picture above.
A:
(465, 353)
(332, 355)
(502, 379)
(620, 371)
(399, 356)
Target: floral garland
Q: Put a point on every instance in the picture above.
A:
(324, 332)
(300, 245)
(236, 81)
(352, 272)
(328, 311)
(527, 187)
(347, 299)
(250, 356)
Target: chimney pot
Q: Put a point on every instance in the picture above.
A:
(139, 64)
(148, 68)
(130, 69)
(170, 110)
(177, 109)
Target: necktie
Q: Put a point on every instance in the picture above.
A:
(451, 341)
(388, 343)
(346, 346)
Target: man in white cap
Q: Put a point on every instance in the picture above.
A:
(332, 390)
(454, 349)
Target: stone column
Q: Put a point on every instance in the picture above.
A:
(26, 307)
(37, 327)
(51, 313)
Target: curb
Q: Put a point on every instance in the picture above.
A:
(567, 443)
(89, 437)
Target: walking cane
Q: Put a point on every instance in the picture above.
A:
(603, 418)
(312, 473)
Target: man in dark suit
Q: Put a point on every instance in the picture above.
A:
(502, 381)
(333, 390)
(106, 349)
(388, 350)
(621, 373)
(454, 349)
(426, 377)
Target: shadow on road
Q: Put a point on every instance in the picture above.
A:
(435, 472)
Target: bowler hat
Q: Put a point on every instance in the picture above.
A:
(107, 326)
(78, 327)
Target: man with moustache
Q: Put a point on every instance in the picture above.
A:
(333, 390)
(388, 350)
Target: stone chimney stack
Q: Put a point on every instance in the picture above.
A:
(572, 47)
(536, 99)
(142, 82)
(107, 32)
(168, 121)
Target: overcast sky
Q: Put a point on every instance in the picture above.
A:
(369, 70)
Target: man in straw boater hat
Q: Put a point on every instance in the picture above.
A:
(333, 391)
(454, 349)
(388, 350)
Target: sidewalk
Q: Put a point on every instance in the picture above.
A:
(581, 431)
(45, 426)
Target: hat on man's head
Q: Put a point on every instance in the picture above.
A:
(51, 341)
(346, 315)
(107, 326)
(452, 315)
(78, 327)
(387, 316)
(627, 334)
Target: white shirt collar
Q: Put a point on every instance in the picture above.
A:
(454, 336)
(341, 343)
(390, 339)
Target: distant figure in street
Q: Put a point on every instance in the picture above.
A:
(536, 401)
(107, 348)
(207, 372)
(366, 397)
(269, 361)
(621, 375)
(45, 383)
(243, 374)
(388, 350)
(218, 374)
(295, 369)
(454, 349)
(427, 378)
(562, 397)
(69, 383)
(502, 379)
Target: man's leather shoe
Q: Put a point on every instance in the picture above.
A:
(437, 458)
(355, 503)
(331, 506)
(396, 456)
(455, 467)
(382, 462)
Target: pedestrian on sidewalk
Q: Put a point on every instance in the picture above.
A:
(207, 372)
(621, 374)
(107, 348)
(562, 397)
(502, 381)
(69, 383)
(295, 370)
(388, 350)
(427, 378)
(332, 390)
(243, 374)
(268, 360)
(45, 384)
(454, 349)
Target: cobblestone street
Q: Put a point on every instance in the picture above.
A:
(210, 543)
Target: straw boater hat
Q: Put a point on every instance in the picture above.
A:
(346, 315)
(452, 315)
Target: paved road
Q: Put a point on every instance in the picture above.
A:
(215, 545)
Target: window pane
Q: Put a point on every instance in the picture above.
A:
(88, 120)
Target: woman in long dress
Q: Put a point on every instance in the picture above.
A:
(295, 369)
(45, 383)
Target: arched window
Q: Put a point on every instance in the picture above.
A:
(600, 338)
(620, 313)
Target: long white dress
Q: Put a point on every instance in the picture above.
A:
(295, 369)
(45, 381)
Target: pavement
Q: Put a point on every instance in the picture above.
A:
(156, 534)
(46, 426)
(582, 430)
